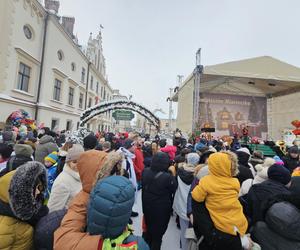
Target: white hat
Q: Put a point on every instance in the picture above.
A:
(245, 150)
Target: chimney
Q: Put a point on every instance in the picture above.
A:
(52, 5)
(68, 24)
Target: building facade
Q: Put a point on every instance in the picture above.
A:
(44, 70)
(119, 125)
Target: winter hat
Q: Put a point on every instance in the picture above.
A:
(74, 152)
(128, 143)
(278, 160)
(293, 150)
(193, 158)
(110, 207)
(279, 173)
(23, 149)
(89, 142)
(53, 157)
(160, 162)
(245, 150)
(258, 154)
(262, 169)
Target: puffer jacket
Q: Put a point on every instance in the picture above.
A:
(92, 165)
(220, 192)
(46, 146)
(117, 194)
(280, 230)
(18, 207)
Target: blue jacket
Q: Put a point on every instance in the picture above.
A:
(52, 174)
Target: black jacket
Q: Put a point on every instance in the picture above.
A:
(290, 163)
(244, 168)
(159, 187)
(259, 197)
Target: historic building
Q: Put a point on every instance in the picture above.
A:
(44, 70)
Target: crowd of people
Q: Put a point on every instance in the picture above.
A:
(77, 191)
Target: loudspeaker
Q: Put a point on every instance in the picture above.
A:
(208, 130)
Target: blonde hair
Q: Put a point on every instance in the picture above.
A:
(154, 148)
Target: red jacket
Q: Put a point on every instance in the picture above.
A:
(138, 163)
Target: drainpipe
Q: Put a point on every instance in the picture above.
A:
(87, 84)
(41, 68)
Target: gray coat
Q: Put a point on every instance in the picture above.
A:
(46, 146)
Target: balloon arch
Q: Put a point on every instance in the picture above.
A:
(103, 107)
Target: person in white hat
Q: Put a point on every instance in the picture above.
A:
(68, 183)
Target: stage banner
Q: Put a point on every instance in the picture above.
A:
(229, 114)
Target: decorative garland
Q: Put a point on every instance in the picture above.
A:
(103, 107)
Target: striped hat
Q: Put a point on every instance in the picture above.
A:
(53, 157)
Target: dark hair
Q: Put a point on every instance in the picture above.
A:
(162, 143)
(5, 150)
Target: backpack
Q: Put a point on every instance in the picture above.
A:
(118, 243)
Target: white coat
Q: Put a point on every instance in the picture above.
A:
(64, 188)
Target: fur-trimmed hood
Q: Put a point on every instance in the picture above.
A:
(111, 166)
(21, 188)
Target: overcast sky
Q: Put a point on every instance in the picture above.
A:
(147, 43)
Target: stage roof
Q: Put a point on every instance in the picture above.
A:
(261, 76)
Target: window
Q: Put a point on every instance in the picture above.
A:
(80, 100)
(97, 87)
(27, 31)
(24, 76)
(101, 93)
(104, 94)
(54, 124)
(107, 97)
(90, 102)
(57, 90)
(83, 75)
(71, 95)
(73, 66)
(60, 55)
(69, 125)
(88, 126)
(92, 83)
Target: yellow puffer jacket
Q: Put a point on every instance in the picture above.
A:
(220, 192)
(14, 234)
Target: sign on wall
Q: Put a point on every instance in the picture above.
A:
(123, 115)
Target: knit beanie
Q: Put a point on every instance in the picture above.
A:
(262, 169)
(278, 160)
(193, 158)
(279, 173)
(53, 157)
(23, 150)
(90, 142)
(74, 152)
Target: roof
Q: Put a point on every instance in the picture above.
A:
(264, 67)
(268, 76)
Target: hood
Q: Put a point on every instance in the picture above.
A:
(186, 173)
(110, 207)
(88, 165)
(23, 150)
(21, 188)
(111, 166)
(169, 149)
(45, 139)
(160, 162)
(219, 164)
(243, 158)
